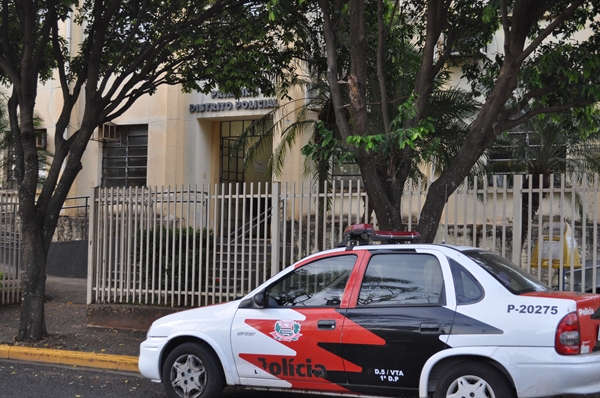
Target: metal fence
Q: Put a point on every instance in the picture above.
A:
(10, 248)
(10, 240)
(190, 246)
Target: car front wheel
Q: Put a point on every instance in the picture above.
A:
(192, 371)
(473, 380)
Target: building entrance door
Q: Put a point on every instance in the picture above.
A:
(233, 172)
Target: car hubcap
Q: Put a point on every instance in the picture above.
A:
(188, 376)
(470, 387)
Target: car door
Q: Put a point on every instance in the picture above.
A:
(294, 341)
(402, 300)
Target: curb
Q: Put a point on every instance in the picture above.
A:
(75, 358)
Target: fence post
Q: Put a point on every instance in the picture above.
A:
(517, 219)
(275, 228)
(91, 244)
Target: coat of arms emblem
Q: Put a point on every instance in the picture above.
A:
(286, 330)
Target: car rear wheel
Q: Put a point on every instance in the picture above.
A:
(473, 380)
(192, 371)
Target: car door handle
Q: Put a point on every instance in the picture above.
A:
(326, 324)
(429, 328)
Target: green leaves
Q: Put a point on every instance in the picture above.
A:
(401, 133)
(325, 146)
(369, 142)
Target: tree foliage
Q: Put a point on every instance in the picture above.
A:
(128, 50)
(521, 59)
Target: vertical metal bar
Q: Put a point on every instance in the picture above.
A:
(529, 221)
(143, 260)
(217, 225)
(293, 225)
(222, 246)
(595, 236)
(324, 217)
(407, 199)
(584, 186)
(456, 195)
(131, 245)
(517, 219)
(334, 217)
(245, 266)
(196, 249)
(119, 260)
(308, 221)
(573, 209)
(351, 199)
(92, 248)
(180, 232)
(137, 246)
(484, 195)
(266, 229)
(561, 208)
(155, 281)
(275, 228)
(475, 202)
(236, 268)
(254, 249)
(169, 249)
(284, 221)
(494, 209)
(419, 205)
(465, 212)
(211, 255)
(112, 238)
(504, 196)
(101, 259)
(551, 229)
(317, 196)
(162, 240)
(540, 226)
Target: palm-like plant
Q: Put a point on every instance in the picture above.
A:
(543, 147)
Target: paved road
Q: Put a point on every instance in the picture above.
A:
(23, 379)
(32, 380)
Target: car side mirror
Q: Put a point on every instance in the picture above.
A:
(256, 301)
(259, 299)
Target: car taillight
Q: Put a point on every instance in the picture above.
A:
(567, 335)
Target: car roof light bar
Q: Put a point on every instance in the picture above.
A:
(364, 234)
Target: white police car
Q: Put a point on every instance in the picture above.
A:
(386, 320)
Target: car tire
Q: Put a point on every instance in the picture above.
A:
(193, 371)
(474, 380)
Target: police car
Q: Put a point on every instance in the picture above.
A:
(386, 319)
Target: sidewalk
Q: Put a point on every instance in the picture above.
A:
(70, 340)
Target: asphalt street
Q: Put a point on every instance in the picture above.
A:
(69, 335)
(31, 380)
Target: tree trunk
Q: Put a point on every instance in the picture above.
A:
(32, 326)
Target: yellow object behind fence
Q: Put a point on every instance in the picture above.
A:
(553, 243)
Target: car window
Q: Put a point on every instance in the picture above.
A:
(317, 284)
(513, 278)
(468, 290)
(402, 279)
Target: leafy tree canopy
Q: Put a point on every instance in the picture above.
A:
(521, 58)
(127, 49)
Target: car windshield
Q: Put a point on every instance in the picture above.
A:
(509, 275)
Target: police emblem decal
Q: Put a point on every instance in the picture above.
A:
(286, 330)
